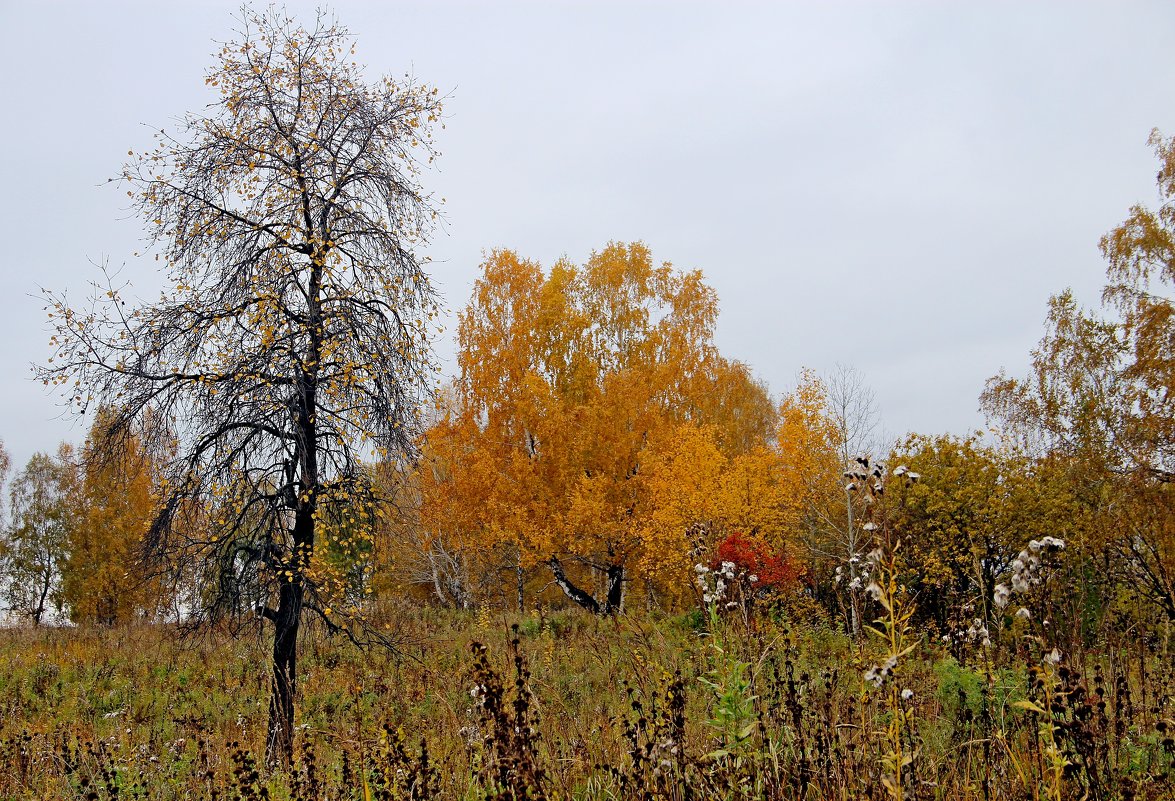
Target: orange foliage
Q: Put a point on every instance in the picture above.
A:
(103, 581)
(594, 417)
(806, 445)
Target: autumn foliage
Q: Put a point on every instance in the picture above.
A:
(266, 450)
(774, 572)
(591, 424)
(117, 501)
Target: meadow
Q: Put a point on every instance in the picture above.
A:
(736, 594)
(568, 705)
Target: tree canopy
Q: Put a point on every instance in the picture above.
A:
(1099, 391)
(570, 380)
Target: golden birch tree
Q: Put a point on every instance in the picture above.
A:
(1099, 392)
(103, 579)
(566, 379)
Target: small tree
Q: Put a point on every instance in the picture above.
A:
(114, 505)
(292, 341)
(852, 409)
(36, 545)
(824, 427)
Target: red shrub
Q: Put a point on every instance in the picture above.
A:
(753, 557)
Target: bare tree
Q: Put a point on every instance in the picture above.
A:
(292, 343)
(446, 570)
(852, 406)
(852, 410)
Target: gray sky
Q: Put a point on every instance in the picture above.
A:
(894, 186)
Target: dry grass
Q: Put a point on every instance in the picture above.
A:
(569, 706)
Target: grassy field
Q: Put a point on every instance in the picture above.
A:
(566, 705)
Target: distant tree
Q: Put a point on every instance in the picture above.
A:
(292, 344)
(5, 466)
(852, 408)
(961, 525)
(102, 579)
(437, 548)
(810, 464)
(1099, 392)
(825, 426)
(689, 487)
(35, 546)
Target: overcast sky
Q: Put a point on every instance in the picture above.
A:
(894, 186)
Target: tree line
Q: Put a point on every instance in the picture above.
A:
(76, 523)
(595, 448)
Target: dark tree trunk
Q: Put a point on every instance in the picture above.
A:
(279, 746)
(614, 595)
(39, 612)
(106, 613)
(614, 602)
(279, 750)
